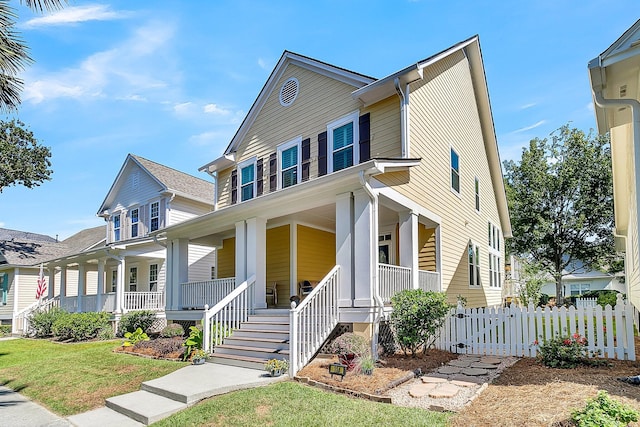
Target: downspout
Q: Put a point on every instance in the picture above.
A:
(214, 175)
(635, 118)
(375, 288)
(404, 117)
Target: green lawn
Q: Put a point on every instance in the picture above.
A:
(74, 378)
(293, 404)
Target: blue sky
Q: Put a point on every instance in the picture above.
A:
(171, 81)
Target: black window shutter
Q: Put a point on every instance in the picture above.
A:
(234, 186)
(322, 154)
(306, 158)
(365, 137)
(273, 172)
(259, 178)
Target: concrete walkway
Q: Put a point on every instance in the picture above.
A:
(18, 411)
(164, 396)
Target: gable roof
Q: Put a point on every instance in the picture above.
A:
(625, 46)
(169, 179)
(20, 248)
(343, 75)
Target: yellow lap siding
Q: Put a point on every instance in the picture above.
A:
(427, 248)
(227, 258)
(279, 262)
(316, 253)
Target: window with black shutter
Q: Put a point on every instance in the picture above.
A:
(306, 158)
(322, 154)
(273, 172)
(234, 186)
(365, 137)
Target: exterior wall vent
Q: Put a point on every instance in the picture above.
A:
(289, 92)
(623, 91)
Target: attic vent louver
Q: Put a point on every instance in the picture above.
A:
(623, 91)
(289, 92)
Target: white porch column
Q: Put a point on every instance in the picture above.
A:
(409, 245)
(344, 248)
(177, 271)
(365, 249)
(241, 252)
(100, 290)
(82, 285)
(120, 273)
(257, 258)
(63, 284)
(51, 289)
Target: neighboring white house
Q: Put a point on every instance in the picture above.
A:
(615, 86)
(126, 272)
(588, 280)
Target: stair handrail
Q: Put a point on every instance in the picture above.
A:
(223, 313)
(313, 319)
(22, 316)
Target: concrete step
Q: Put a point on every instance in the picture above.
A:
(102, 417)
(266, 326)
(260, 333)
(281, 344)
(257, 352)
(268, 319)
(144, 407)
(240, 361)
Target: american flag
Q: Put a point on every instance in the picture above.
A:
(42, 284)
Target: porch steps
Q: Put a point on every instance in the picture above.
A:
(144, 407)
(264, 336)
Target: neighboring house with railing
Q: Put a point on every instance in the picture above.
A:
(21, 254)
(342, 189)
(127, 272)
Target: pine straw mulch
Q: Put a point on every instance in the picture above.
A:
(525, 394)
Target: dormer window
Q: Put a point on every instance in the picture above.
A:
(154, 223)
(289, 161)
(134, 222)
(247, 179)
(341, 136)
(116, 227)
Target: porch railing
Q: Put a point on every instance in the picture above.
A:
(108, 302)
(198, 294)
(20, 322)
(429, 280)
(134, 301)
(69, 304)
(228, 314)
(312, 321)
(89, 303)
(393, 279)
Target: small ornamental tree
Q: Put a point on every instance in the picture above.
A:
(417, 317)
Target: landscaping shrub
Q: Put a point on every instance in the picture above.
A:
(5, 330)
(602, 410)
(172, 330)
(132, 338)
(194, 341)
(417, 317)
(41, 322)
(171, 348)
(136, 319)
(565, 352)
(605, 296)
(106, 334)
(80, 326)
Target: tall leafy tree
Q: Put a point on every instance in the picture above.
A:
(560, 197)
(23, 160)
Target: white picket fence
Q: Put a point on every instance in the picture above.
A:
(586, 302)
(516, 331)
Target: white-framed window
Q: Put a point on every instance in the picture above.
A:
(114, 280)
(386, 248)
(247, 172)
(473, 254)
(495, 258)
(477, 191)
(580, 288)
(153, 277)
(133, 279)
(135, 217)
(115, 220)
(289, 163)
(342, 142)
(455, 171)
(154, 216)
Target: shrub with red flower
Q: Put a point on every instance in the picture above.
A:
(564, 351)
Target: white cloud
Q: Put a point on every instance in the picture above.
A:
(74, 15)
(129, 67)
(183, 107)
(263, 64)
(590, 107)
(214, 109)
(133, 97)
(205, 138)
(533, 126)
(525, 106)
(1, 224)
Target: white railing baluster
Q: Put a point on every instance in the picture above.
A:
(197, 294)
